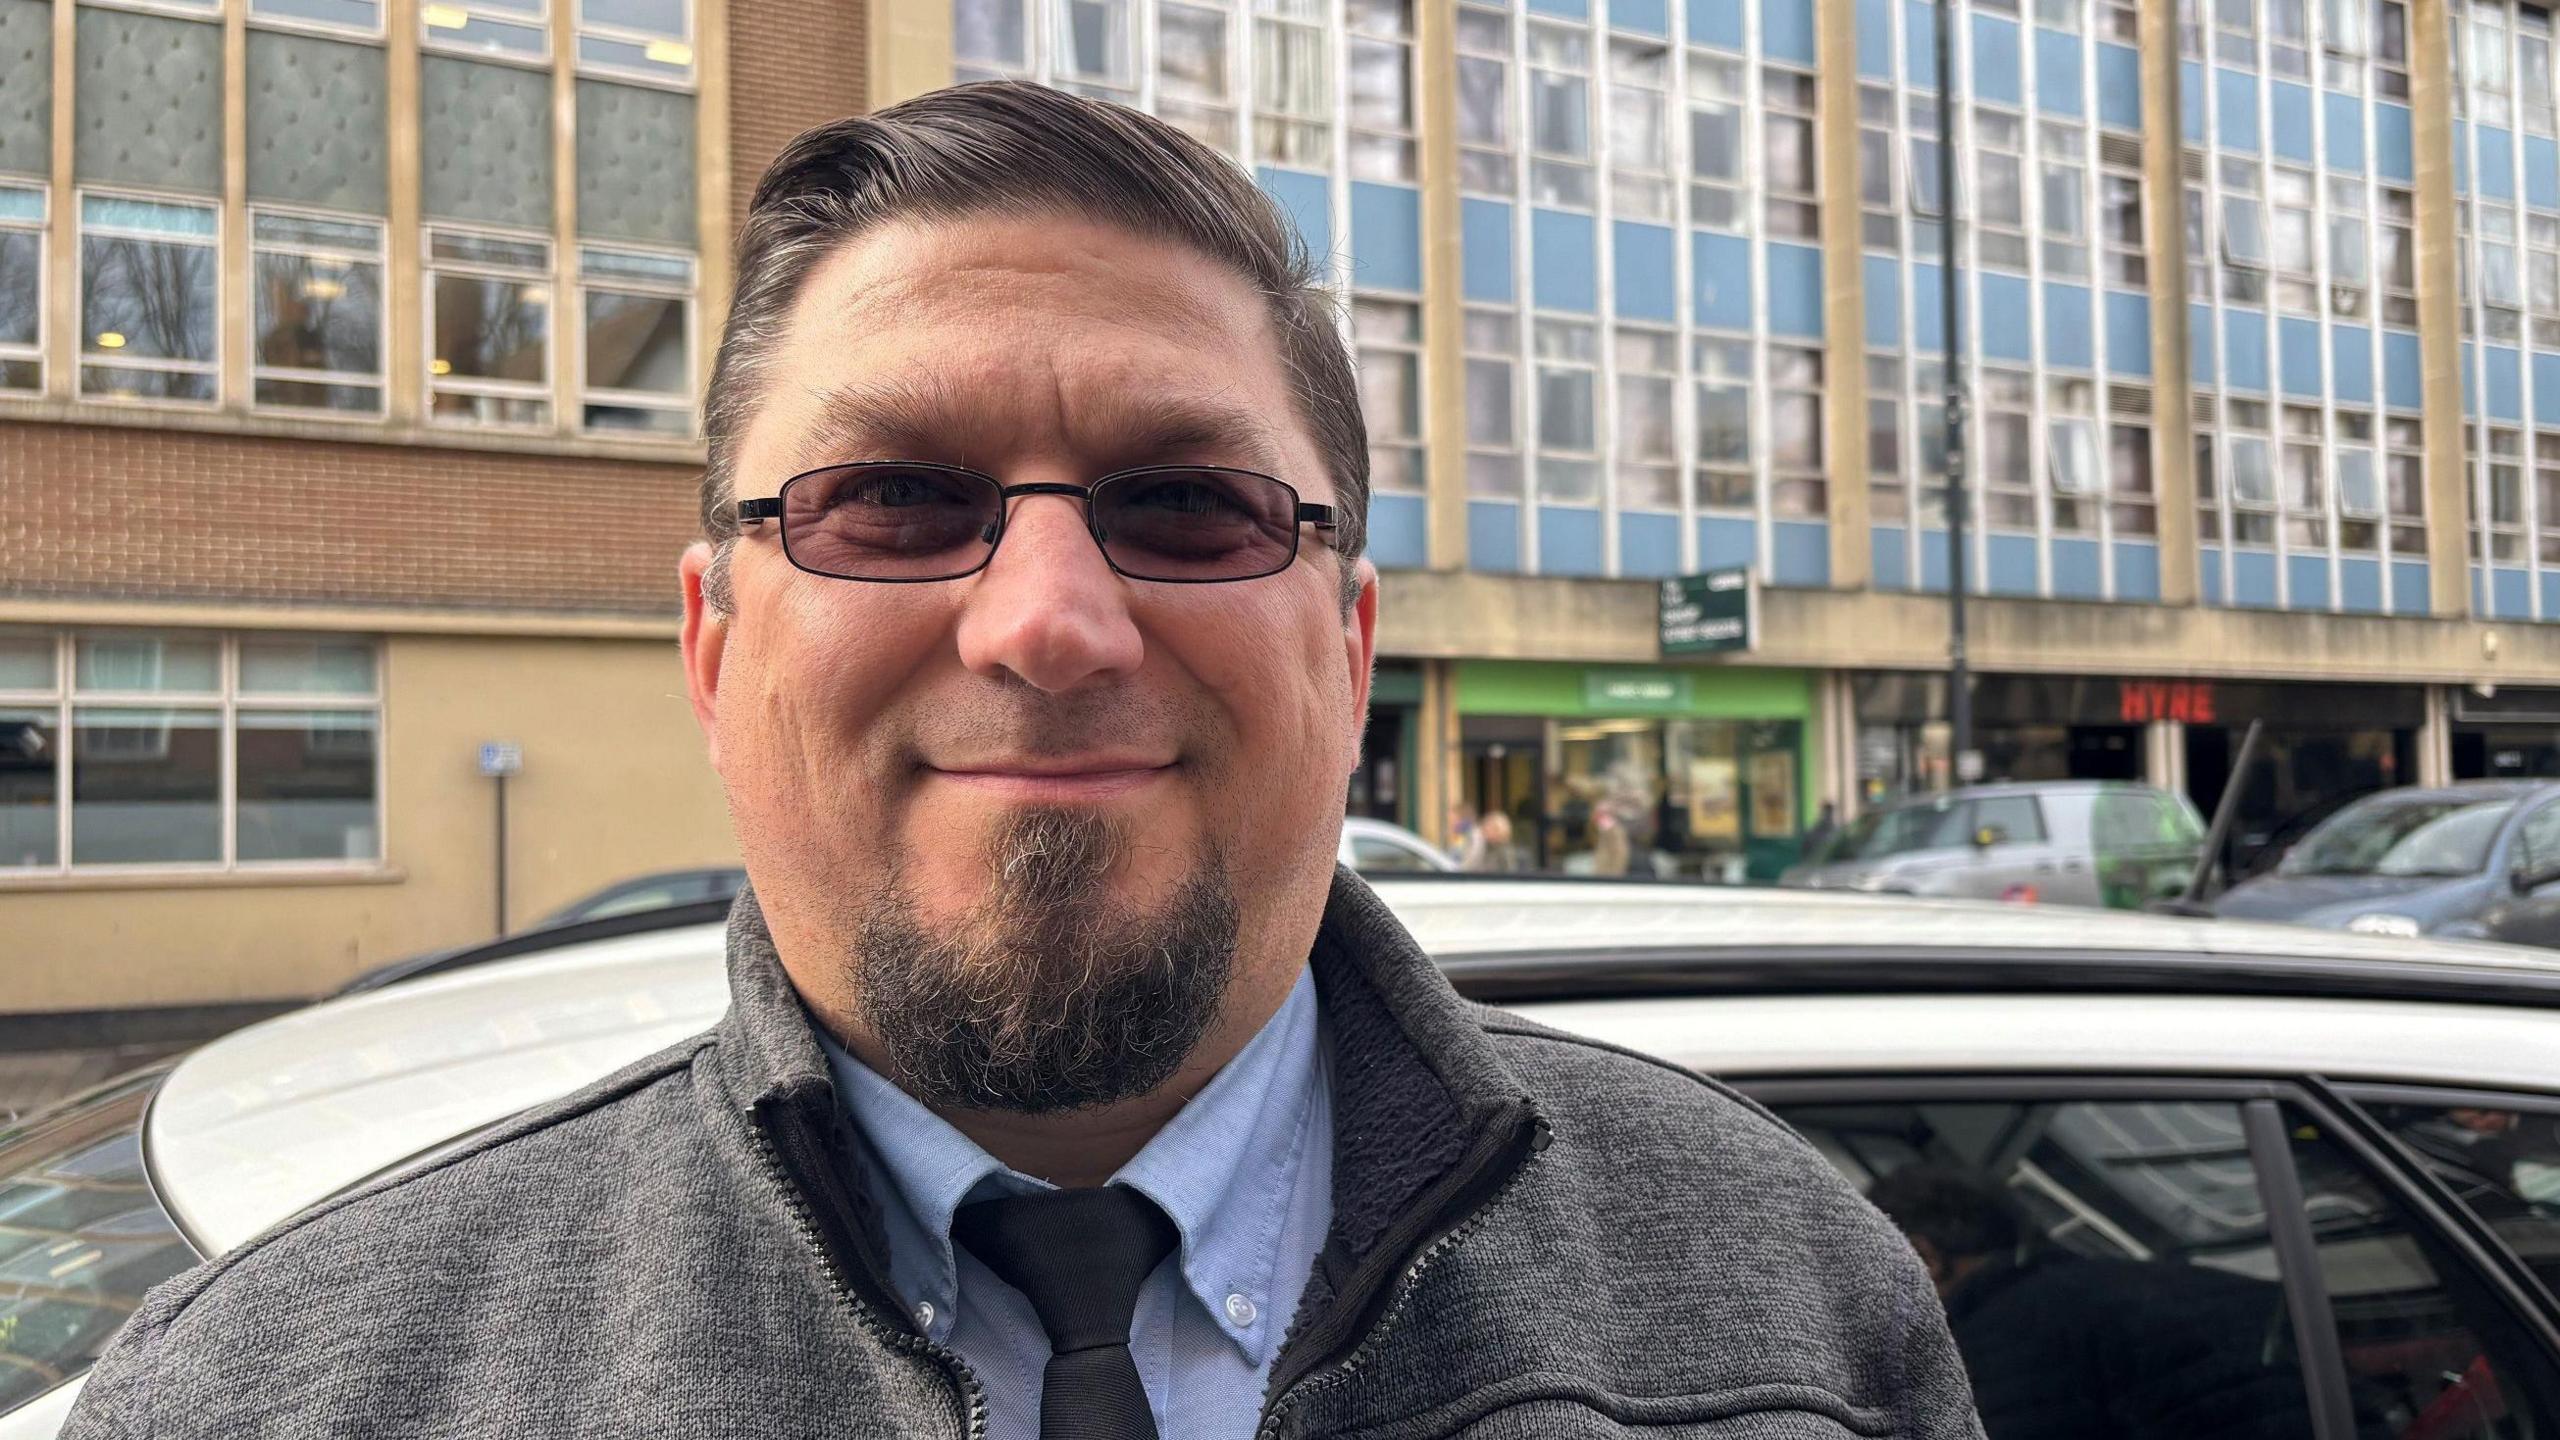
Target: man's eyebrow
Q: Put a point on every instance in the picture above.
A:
(919, 417)
(910, 417)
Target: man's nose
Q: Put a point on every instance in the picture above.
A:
(1048, 608)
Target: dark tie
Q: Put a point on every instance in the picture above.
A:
(1079, 1257)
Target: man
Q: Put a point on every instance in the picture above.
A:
(1067, 1089)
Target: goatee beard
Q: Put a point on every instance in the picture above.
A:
(1051, 994)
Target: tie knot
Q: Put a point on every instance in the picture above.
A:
(1079, 1256)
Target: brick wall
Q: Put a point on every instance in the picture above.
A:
(792, 64)
(112, 513)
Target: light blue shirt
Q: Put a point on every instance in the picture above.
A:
(1246, 1173)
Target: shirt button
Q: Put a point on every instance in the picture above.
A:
(924, 1315)
(1240, 1310)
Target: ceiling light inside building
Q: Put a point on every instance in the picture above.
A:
(444, 17)
(316, 288)
(670, 52)
(111, 340)
(439, 367)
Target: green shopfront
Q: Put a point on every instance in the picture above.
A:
(1698, 772)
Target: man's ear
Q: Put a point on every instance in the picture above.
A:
(1360, 649)
(705, 637)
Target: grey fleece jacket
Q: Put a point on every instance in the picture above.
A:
(1533, 1235)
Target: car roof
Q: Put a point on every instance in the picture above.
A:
(258, 1124)
(2474, 791)
(2016, 787)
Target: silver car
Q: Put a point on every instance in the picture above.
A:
(2061, 842)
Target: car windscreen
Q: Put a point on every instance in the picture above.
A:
(2402, 837)
(1902, 829)
(81, 1238)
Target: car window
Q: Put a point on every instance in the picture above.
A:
(2106, 1266)
(81, 1239)
(2427, 835)
(1371, 855)
(2429, 1349)
(2541, 837)
(2016, 816)
(2503, 1161)
(641, 897)
(2173, 824)
(1936, 824)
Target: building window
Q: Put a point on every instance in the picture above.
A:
(2405, 462)
(2505, 483)
(637, 338)
(2397, 264)
(22, 216)
(2305, 497)
(2289, 38)
(1639, 128)
(2235, 32)
(2134, 511)
(2122, 20)
(363, 17)
(1794, 172)
(1568, 420)
(2251, 478)
(1380, 48)
(2007, 473)
(1880, 227)
(489, 297)
(1721, 370)
(2065, 202)
(1484, 101)
(2350, 266)
(2355, 477)
(1715, 141)
(1095, 49)
(1389, 333)
(2391, 49)
(2486, 78)
(1796, 488)
(2071, 456)
(990, 37)
(649, 39)
(1192, 86)
(148, 326)
(2296, 244)
(1493, 429)
(2546, 496)
(518, 28)
(2542, 278)
(1293, 88)
(1560, 115)
(1888, 493)
(1646, 435)
(2501, 284)
(2120, 198)
(319, 312)
(196, 751)
(2000, 202)
(2244, 235)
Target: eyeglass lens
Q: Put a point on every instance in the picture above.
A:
(922, 522)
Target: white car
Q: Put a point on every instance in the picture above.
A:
(2237, 1179)
(1375, 847)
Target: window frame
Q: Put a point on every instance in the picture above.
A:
(539, 22)
(1410, 351)
(329, 29)
(1406, 141)
(686, 399)
(66, 699)
(42, 228)
(580, 28)
(431, 274)
(83, 358)
(380, 259)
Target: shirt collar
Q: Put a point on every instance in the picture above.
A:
(1223, 1169)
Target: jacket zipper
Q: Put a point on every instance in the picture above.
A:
(796, 1199)
(1467, 1215)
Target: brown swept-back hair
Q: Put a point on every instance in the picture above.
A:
(1007, 148)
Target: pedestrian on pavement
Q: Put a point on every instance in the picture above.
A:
(1067, 1087)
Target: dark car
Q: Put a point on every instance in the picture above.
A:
(2433, 861)
(652, 892)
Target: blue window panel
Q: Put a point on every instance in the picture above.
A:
(2067, 340)
(2546, 392)
(1568, 540)
(2541, 173)
(1887, 558)
(2120, 87)
(2191, 101)
(2004, 317)
(1307, 201)
(2506, 383)
(2400, 384)
(2551, 593)
(1884, 301)
(1564, 266)
(1721, 293)
(1919, 44)
(1399, 531)
(2128, 332)
(2012, 563)
(2360, 585)
(2235, 98)
(1493, 536)
(2497, 163)
(2351, 363)
(2511, 594)
(2300, 349)
(2253, 579)
(1995, 60)
(2346, 130)
(1386, 237)
(1648, 545)
(2209, 573)
(1484, 249)
(2244, 349)
(1647, 278)
(2200, 343)
(1724, 542)
(2409, 585)
(2289, 112)
(1933, 563)
(1875, 38)
(1716, 22)
(1650, 17)
(1570, 9)
(1928, 317)
(1800, 553)
(1795, 290)
(2137, 570)
(2307, 582)
(2393, 154)
(2078, 569)
(2058, 79)
(1786, 30)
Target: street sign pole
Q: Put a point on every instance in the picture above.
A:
(1959, 501)
(500, 759)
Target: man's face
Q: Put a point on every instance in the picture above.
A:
(1005, 809)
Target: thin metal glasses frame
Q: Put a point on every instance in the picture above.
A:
(1323, 517)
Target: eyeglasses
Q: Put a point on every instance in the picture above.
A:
(902, 521)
